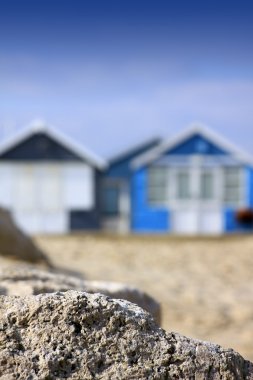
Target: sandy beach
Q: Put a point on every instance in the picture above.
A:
(205, 285)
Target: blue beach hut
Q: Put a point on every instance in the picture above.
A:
(195, 183)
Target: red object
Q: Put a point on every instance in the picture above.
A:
(245, 216)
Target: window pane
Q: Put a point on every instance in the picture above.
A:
(232, 177)
(157, 184)
(157, 194)
(183, 185)
(232, 195)
(157, 176)
(207, 185)
(232, 185)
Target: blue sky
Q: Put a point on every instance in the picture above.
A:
(114, 73)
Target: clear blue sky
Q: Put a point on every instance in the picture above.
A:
(114, 73)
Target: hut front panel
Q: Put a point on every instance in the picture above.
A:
(41, 196)
(79, 192)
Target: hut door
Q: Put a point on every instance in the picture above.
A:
(196, 206)
(116, 206)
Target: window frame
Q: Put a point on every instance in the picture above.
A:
(230, 201)
(179, 195)
(157, 184)
(204, 197)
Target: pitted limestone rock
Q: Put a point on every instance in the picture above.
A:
(76, 335)
(24, 280)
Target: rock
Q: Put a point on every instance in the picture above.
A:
(15, 244)
(126, 292)
(77, 335)
(26, 280)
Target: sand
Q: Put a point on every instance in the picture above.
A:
(205, 285)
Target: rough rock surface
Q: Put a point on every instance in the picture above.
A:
(17, 245)
(77, 335)
(26, 280)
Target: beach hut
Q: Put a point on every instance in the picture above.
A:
(195, 183)
(49, 182)
(116, 188)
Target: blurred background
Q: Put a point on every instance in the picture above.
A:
(125, 149)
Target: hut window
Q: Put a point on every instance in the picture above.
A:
(183, 185)
(232, 184)
(157, 184)
(207, 185)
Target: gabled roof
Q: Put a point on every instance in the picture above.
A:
(167, 145)
(51, 132)
(146, 145)
(120, 166)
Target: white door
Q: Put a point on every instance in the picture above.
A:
(25, 202)
(196, 208)
(193, 222)
(38, 201)
(210, 222)
(185, 222)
